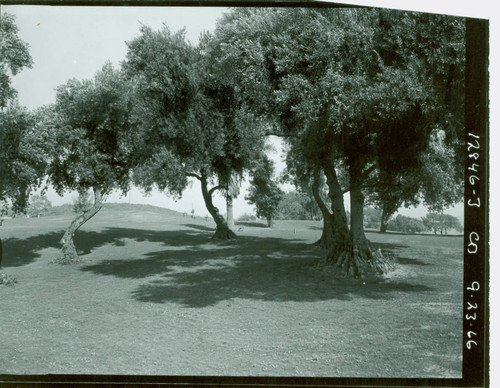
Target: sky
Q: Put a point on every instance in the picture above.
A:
(74, 42)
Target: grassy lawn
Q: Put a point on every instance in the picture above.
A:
(154, 295)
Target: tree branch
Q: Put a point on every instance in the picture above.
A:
(192, 174)
(364, 174)
(218, 187)
(280, 134)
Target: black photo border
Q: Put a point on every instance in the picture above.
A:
(476, 330)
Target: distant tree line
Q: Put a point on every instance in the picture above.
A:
(433, 222)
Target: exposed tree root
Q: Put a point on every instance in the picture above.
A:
(360, 261)
(223, 234)
(68, 253)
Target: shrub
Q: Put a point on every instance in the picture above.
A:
(247, 217)
(406, 225)
(7, 280)
(38, 206)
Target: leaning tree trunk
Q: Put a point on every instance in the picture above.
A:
(327, 233)
(68, 250)
(222, 231)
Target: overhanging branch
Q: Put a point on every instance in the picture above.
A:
(368, 171)
(192, 174)
(210, 192)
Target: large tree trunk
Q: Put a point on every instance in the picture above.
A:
(68, 250)
(222, 231)
(327, 233)
(1, 252)
(229, 208)
(351, 252)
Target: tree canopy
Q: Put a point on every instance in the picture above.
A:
(439, 222)
(363, 89)
(93, 146)
(191, 124)
(264, 192)
(14, 56)
(22, 160)
(23, 154)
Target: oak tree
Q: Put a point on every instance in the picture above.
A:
(191, 124)
(93, 148)
(361, 89)
(264, 192)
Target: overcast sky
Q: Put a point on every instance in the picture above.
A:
(74, 42)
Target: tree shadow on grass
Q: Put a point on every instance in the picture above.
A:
(254, 276)
(254, 224)
(407, 261)
(195, 272)
(19, 252)
(263, 268)
(200, 227)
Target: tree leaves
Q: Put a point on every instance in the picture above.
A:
(14, 56)
(93, 142)
(23, 158)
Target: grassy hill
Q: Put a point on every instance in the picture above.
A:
(67, 209)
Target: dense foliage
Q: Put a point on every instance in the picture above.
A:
(23, 154)
(406, 224)
(14, 56)
(371, 218)
(38, 206)
(358, 92)
(264, 192)
(191, 124)
(442, 223)
(93, 147)
(297, 205)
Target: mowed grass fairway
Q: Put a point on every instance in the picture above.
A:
(154, 295)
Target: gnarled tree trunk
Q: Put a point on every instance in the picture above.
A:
(222, 231)
(68, 250)
(351, 252)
